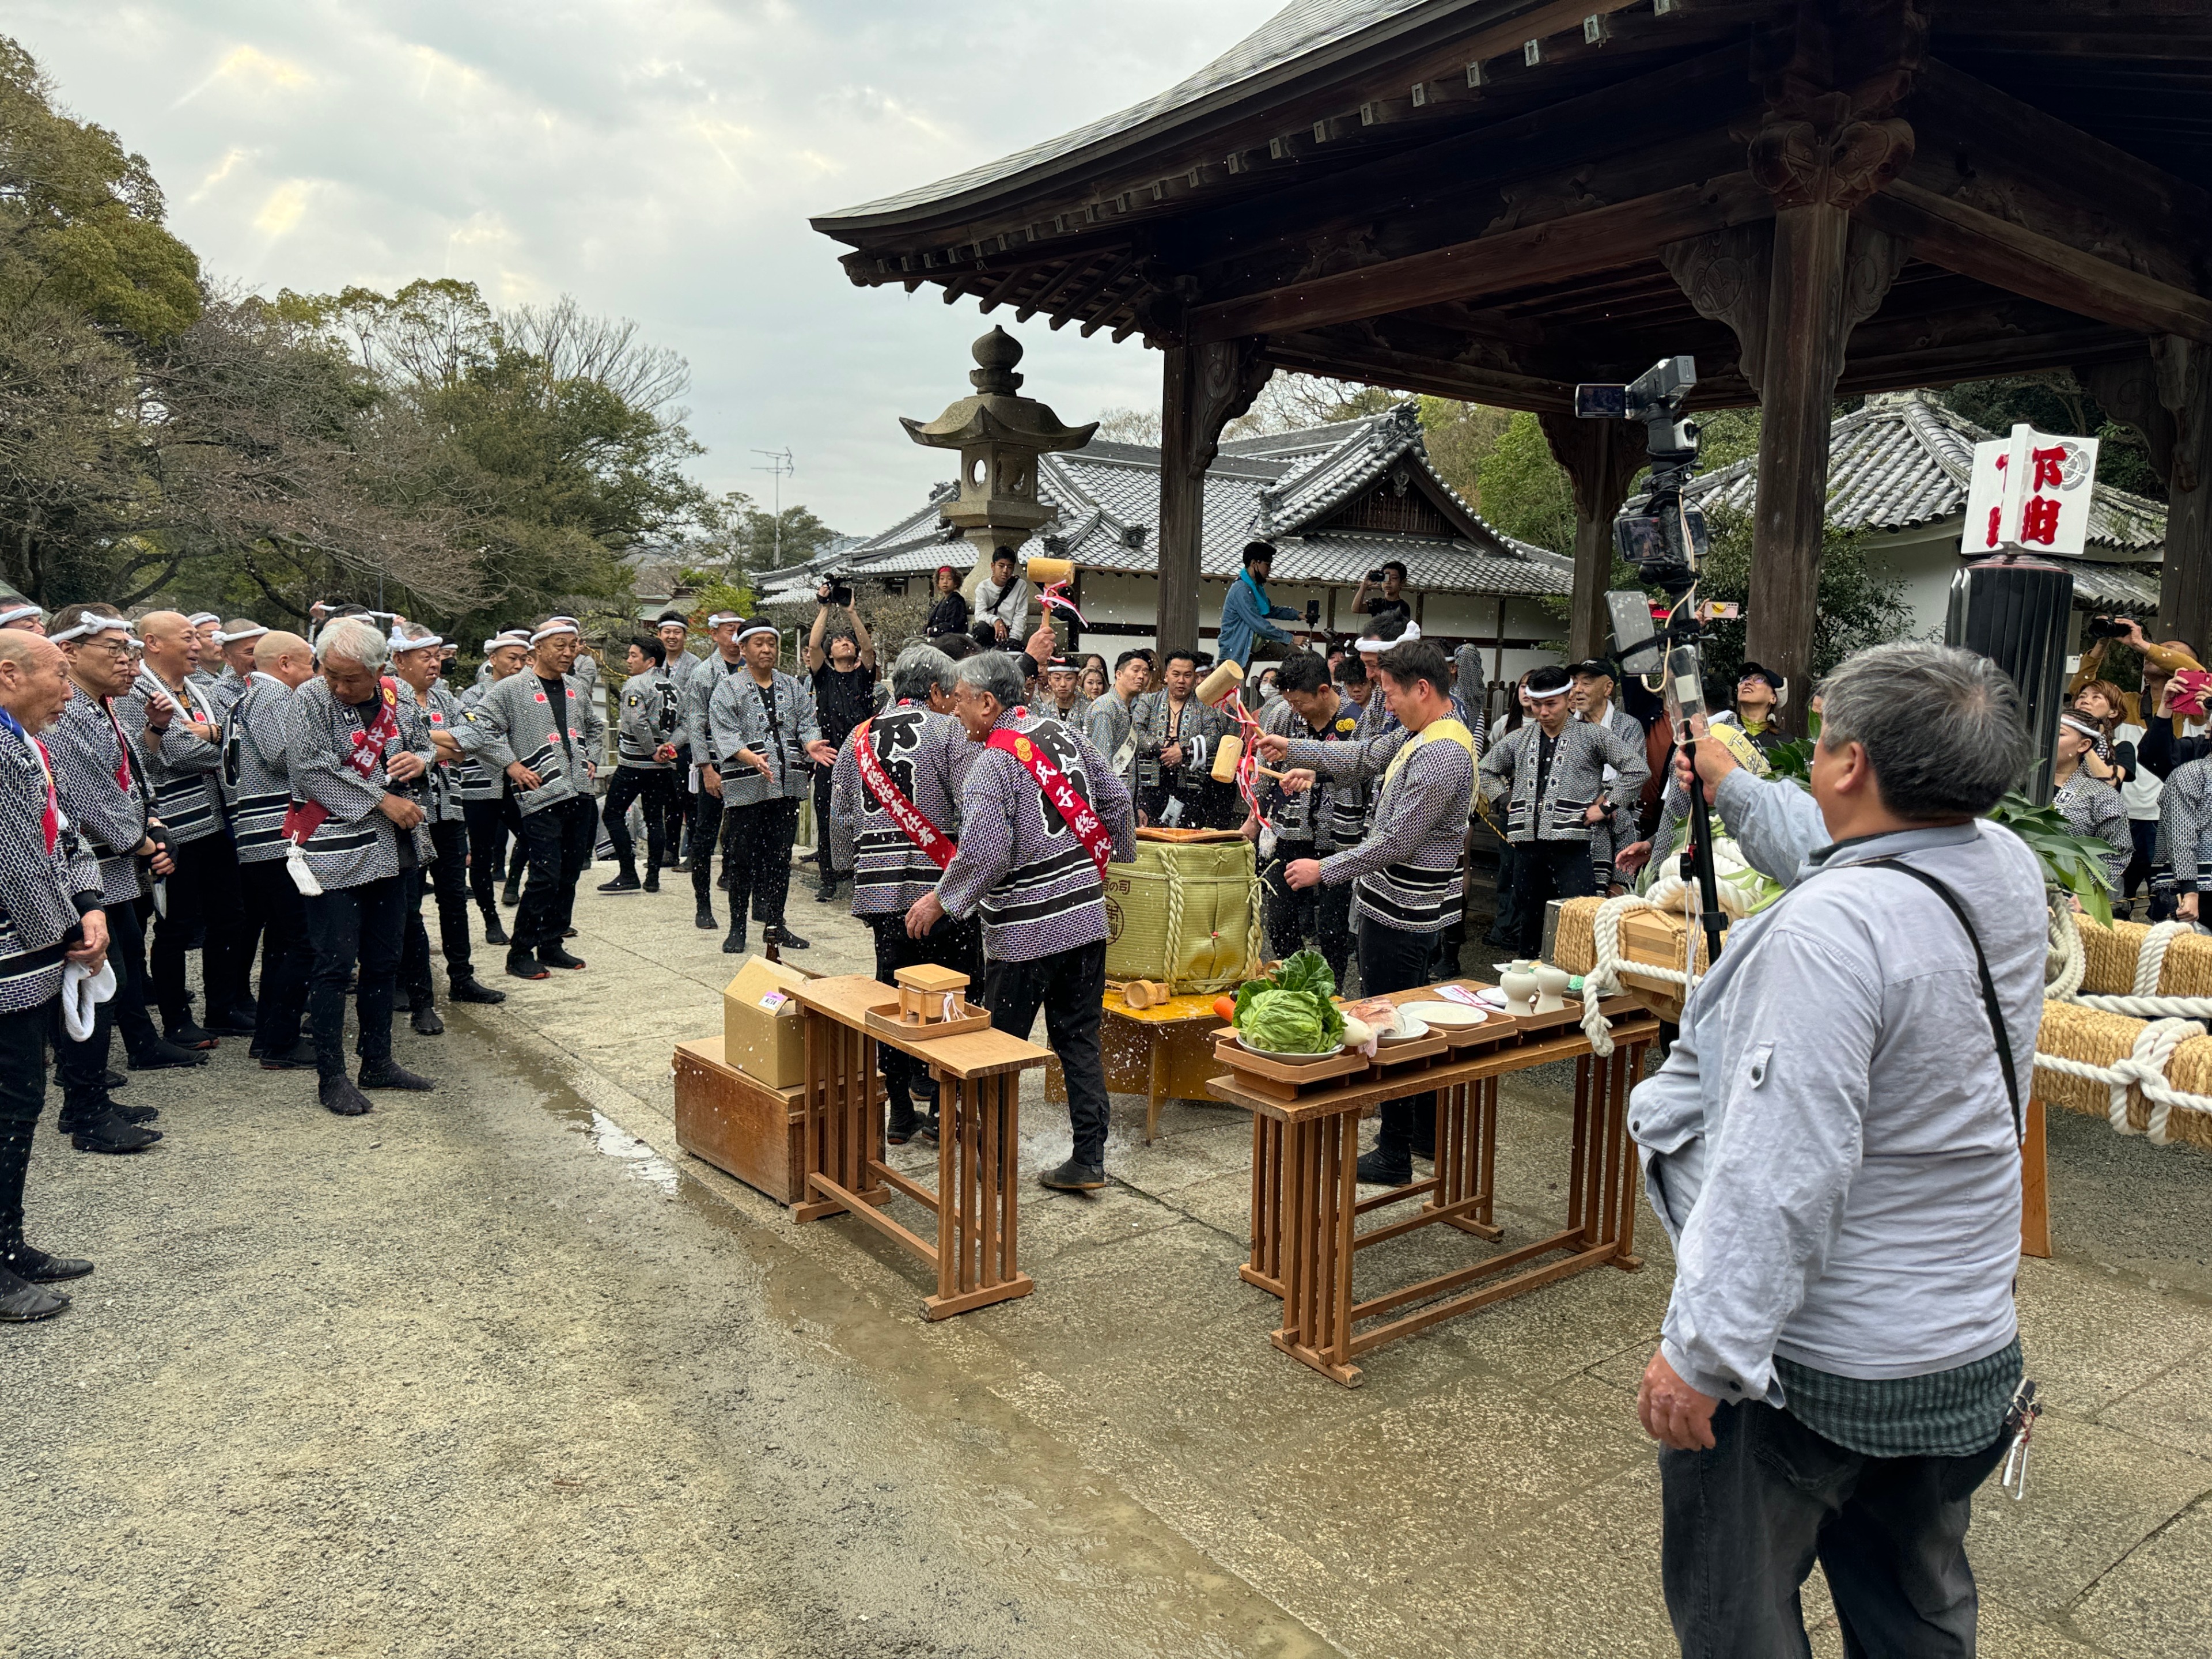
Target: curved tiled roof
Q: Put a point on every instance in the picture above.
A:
(1304, 27)
(1902, 460)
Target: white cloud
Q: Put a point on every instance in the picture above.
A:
(656, 158)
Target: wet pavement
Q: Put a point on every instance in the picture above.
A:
(501, 1369)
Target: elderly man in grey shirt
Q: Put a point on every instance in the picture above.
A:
(1833, 1145)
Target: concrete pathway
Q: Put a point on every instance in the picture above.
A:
(501, 1370)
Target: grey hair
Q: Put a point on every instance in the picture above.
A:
(1942, 726)
(921, 669)
(357, 640)
(994, 673)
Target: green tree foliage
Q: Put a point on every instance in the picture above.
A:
(761, 540)
(1459, 437)
(2054, 401)
(1858, 606)
(1524, 492)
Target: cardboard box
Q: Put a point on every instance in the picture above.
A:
(741, 1127)
(763, 1027)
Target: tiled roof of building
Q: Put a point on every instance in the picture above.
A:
(1279, 488)
(1904, 461)
(1302, 28)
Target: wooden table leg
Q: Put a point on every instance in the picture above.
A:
(978, 1226)
(1264, 1266)
(1155, 1041)
(1320, 1196)
(2035, 1188)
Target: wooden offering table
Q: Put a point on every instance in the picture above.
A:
(1164, 1052)
(1305, 1204)
(979, 1079)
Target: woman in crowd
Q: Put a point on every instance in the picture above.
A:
(949, 613)
(1092, 685)
(2113, 762)
(2091, 804)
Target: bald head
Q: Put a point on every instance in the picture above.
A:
(172, 645)
(33, 679)
(286, 657)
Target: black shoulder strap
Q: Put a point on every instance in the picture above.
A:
(1989, 985)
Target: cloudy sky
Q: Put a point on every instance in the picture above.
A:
(657, 158)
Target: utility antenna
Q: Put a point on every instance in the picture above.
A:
(780, 466)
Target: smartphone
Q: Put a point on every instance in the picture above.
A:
(1313, 612)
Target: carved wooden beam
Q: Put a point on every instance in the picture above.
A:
(2013, 258)
(1552, 250)
(1376, 365)
(1203, 388)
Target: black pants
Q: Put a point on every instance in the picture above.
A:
(23, 1037)
(1746, 1521)
(1543, 871)
(82, 1066)
(823, 775)
(1068, 987)
(448, 878)
(2144, 833)
(351, 927)
(1504, 922)
(558, 839)
(488, 823)
(705, 836)
(274, 909)
(1392, 960)
(956, 945)
(201, 907)
(664, 816)
(1323, 913)
(756, 849)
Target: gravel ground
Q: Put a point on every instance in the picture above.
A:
(481, 1374)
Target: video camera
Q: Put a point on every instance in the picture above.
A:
(2102, 628)
(837, 593)
(1666, 540)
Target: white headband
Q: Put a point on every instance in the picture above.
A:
(1376, 648)
(720, 617)
(399, 642)
(250, 631)
(747, 633)
(17, 613)
(558, 625)
(91, 625)
(2087, 727)
(201, 618)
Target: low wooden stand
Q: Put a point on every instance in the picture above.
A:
(979, 1078)
(1305, 1202)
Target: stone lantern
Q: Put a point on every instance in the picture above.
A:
(999, 435)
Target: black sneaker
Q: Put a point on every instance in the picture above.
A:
(524, 964)
(898, 1133)
(185, 1035)
(734, 945)
(163, 1055)
(1385, 1167)
(513, 895)
(28, 1261)
(791, 941)
(705, 919)
(494, 933)
(300, 1057)
(625, 883)
(722, 881)
(22, 1302)
(113, 1079)
(112, 1135)
(827, 896)
(137, 1114)
(924, 1129)
(389, 1074)
(339, 1096)
(467, 988)
(554, 956)
(232, 1023)
(652, 881)
(1073, 1177)
(424, 1022)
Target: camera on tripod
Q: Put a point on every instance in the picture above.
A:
(1667, 540)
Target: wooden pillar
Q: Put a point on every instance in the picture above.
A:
(1599, 457)
(1202, 389)
(2185, 389)
(1825, 276)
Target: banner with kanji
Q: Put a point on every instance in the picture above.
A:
(2029, 494)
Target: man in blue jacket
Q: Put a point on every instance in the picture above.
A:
(1246, 614)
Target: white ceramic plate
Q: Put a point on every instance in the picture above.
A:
(1289, 1060)
(1446, 1016)
(1408, 1029)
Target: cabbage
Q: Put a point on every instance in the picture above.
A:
(1304, 973)
(1285, 1021)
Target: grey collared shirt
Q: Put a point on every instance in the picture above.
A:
(1830, 1142)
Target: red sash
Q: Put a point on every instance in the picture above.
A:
(904, 813)
(1074, 811)
(303, 818)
